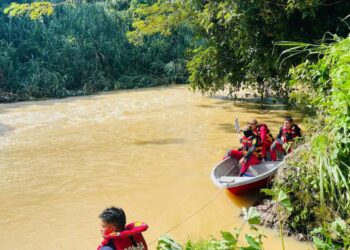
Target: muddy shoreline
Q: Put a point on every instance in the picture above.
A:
(267, 207)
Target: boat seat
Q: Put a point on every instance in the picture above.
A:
(257, 169)
(227, 179)
(232, 179)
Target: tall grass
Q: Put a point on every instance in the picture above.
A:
(320, 179)
(80, 50)
(333, 179)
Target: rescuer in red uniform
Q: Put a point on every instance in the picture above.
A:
(287, 134)
(250, 151)
(117, 235)
(264, 133)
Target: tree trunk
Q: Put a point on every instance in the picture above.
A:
(261, 87)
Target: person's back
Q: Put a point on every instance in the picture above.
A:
(264, 134)
(116, 235)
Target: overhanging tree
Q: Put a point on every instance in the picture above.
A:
(236, 38)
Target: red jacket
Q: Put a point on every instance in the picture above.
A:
(288, 135)
(251, 145)
(129, 239)
(264, 133)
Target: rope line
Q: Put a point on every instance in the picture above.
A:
(190, 216)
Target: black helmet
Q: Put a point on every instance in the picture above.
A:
(247, 131)
(288, 119)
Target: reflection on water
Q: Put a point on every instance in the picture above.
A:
(148, 151)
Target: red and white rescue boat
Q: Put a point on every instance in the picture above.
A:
(224, 175)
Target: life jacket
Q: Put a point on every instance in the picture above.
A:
(269, 138)
(129, 239)
(289, 134)
(248, 142)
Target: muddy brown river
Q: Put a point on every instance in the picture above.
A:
(149, 151)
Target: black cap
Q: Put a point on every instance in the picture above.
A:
(288, 119)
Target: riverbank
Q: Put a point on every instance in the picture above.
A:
(81, 51)
(9, 97)
(268, 208)
(324, 222)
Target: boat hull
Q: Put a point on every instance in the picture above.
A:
(243, 189)
(226, 175)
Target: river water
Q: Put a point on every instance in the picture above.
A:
(149, 151)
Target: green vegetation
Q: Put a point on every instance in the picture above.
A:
(235, 40)
(320, 172)
(57, 50)
(228, 241)
(231, 241)
(216, 42)
(282, 201)
(33, 10)
(83, 49)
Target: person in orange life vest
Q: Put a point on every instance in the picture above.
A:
(250, 151)
(287, 134)
(117, 235)
(263, 132)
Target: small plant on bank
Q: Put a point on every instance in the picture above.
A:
(332, 238)
(228, 241)
(283, 202)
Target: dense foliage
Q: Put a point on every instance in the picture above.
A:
(229, 42)
(236, 38)
(320, 172)
(81, 50)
